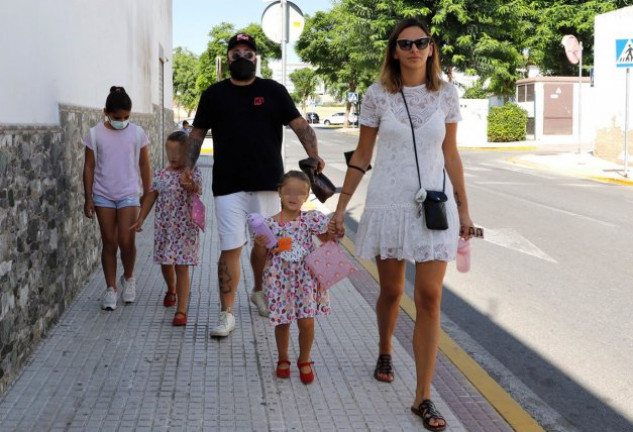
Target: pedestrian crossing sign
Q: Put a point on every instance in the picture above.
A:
(624, 53)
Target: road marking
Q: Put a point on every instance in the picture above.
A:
(511, 239)
(519, 419)
(547, 207)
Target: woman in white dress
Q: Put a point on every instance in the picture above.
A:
(409, 97)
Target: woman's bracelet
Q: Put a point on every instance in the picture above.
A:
(345, 193)
(356, 168)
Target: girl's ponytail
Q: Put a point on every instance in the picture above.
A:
(118, 99)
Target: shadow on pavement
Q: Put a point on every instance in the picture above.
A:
(581, 408)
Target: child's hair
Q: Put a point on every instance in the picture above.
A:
(118, 99)
(178, 136)
(299, 175)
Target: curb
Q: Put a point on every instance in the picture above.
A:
(571, 172)
(499, 148)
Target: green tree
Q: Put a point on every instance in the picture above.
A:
(555, 18)
(185, 73)
(305, 81)
(336, 43)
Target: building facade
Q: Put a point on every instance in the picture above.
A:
(57, 71)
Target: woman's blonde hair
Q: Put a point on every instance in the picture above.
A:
(390, 73)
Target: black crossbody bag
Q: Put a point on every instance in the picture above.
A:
(432, 202)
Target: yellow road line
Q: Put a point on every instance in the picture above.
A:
(499, 399)
(571, 172)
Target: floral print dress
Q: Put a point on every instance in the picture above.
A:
(176, 237)
(291, 290)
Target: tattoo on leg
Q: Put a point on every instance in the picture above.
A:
(224, 278)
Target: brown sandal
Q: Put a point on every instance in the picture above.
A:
(384, 367)
(428, 412)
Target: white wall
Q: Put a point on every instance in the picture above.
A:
(610, 81)
(72, 51)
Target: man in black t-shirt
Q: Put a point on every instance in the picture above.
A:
(246, 115)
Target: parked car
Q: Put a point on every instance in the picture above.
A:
(312, 117)
(339, 118)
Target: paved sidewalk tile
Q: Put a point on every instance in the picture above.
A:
(131, 370)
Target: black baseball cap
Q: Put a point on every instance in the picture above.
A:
(244, 39)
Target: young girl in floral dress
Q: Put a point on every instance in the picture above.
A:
(176, 237)
(293, 294)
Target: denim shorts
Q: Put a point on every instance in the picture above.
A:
(101, 201)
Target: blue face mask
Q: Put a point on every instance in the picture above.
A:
(118, 125)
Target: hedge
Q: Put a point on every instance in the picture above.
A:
(507, 123)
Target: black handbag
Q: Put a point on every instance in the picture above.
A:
(321, 186)
(434, 207)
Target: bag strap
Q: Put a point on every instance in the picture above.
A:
(417, 165)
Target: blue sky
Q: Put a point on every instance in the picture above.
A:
(192, 19)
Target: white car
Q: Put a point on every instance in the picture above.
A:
(339, 118)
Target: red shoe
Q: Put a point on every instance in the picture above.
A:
(180, 319)
(169, 300)
(306, 378)
(283, 373)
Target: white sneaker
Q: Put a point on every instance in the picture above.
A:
(129, 289)
(109, 299)
(226, 324)
(258, 299)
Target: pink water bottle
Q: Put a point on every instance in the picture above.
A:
(257, 224)
(463, 255)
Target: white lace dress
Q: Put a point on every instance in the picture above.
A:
(390, 227)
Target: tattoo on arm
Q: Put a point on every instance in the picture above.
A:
(306, 135)
(457, 200)
(194, 144)
(224, 278)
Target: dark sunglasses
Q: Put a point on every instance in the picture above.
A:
(406, 44)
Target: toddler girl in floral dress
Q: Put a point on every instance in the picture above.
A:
(293, 294)
(176, 237)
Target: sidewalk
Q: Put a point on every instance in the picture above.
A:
(131, 370)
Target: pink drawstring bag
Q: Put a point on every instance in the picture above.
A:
(198, 211)
(329, 264)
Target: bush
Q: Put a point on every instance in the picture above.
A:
(507, 123)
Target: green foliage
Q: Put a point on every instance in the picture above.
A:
(507, 123)
(554, 19)
(305, 81)
(185, 73)
(476, 91)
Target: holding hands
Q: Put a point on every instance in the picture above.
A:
(186, 180)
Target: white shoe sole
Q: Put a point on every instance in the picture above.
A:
(125, 296)
(110, 308)
(221, 333)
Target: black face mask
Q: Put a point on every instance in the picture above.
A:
(242, 69)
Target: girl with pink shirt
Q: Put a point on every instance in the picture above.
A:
(116, 171)
(176, 237)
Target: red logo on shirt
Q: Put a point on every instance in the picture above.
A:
(258, 101)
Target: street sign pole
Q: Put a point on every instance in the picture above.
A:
(626, 126)
(624, 59)
(579, 97)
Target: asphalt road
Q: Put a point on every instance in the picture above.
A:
(547, 307)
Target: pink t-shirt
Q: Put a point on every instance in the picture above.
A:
(117, 172)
